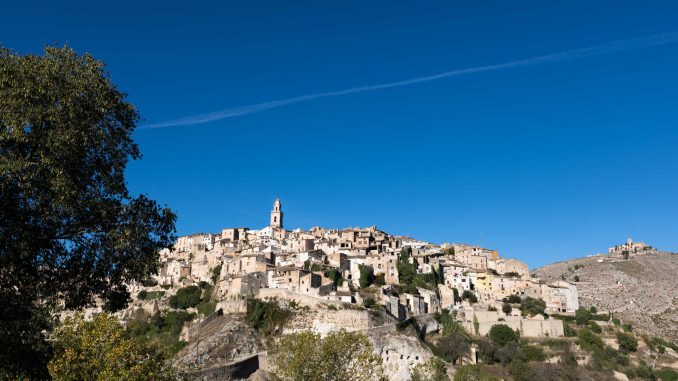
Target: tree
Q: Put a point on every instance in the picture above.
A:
(266, 316)
(431, 370)
(470, 295)
(506, 308)
(531, 306)
(589, 341)
(582, 316)
(576, 278)
(519, 370)
(515, 299)
(627, 343)
(502, 334)
(366, 276)
(215, 274)
(100, 350)
(341, 355)
(70, 231)
(185, 297)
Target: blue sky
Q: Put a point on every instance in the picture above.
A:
(542, 162)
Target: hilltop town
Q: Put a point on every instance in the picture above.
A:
(332, 265)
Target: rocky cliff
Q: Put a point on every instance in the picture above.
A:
(642, 290)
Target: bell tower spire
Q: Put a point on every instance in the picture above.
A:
(277, 214)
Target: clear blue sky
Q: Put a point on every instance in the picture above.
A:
(542, 162)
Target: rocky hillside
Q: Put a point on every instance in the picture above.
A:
(642, 290)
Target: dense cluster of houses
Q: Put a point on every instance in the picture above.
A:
(307, 263)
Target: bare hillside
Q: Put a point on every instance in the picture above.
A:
(642, 290)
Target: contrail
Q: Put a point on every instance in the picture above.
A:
(597, 50)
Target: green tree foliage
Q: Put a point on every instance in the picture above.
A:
(589, 341)
(514, 299)
(380, 280)
(582, 316)
(406, 270)
(627, 342)
(336, 277)
(594, 327)
(532, 353)
(455, 342)
(431, 370)
(100, 350)
(339, 356)
(70, 231)
(266, 316)
(506, 308)
(519, 370)
(470, 295)
(163, 329)
(369, 302)
(502, 334)
(474, 373)
(366, 276)
(186, 297)
(215, 274)
(531, 306)
(150, 295)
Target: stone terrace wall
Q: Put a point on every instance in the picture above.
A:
(304, 300)
(325, 321)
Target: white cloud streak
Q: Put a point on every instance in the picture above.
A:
(597, 50)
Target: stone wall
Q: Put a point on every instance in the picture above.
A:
(304, 300)
(324, 321)
(232, 306)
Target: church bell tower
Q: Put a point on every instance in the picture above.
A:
(277, 214)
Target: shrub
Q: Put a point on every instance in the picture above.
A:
(215, 274)
(582, 316)
(519, 370)
(502, 334)
(515, 299)
(589, 341)
(627, 327)
(266, 316)
(532, 353)
(185, 297)
(474, 373)
(207, 307)
(531, 306)
(506, 308)
(576, 278)
(369, 302)
(142, 295)
(627, 343)
(569, 331)
(366, 276)
(616, 321)
(470, 295)
(380, 280)
(431, 370)
(491, 308)
(595, 327)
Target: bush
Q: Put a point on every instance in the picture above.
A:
(531, 306)
(366, 276)
(207, 307)
(185, 297)
(569, 331)
(532, 353)
(576, 278)
(266, 316)
(589, 341)
(431, 370)
(502, 334)
(369, 302)
(215, 274)
(474, 373)
(519, 370)
(595, 327)
(506, 308)
(515, 299)
(163, 329)
(582, 316)
(616, 321)
(470, 295)
(627, 327)
(627, 343)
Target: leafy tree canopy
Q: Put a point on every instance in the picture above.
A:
(502, 334)
(431, 370)
(531, 306)
(339, 356)
(100, 350)
(70, 231)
